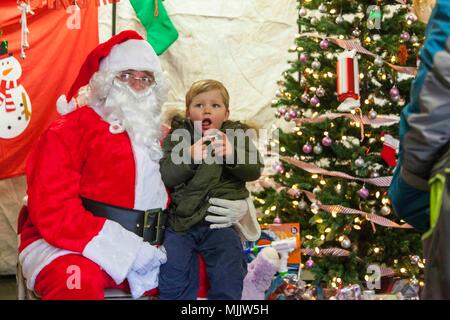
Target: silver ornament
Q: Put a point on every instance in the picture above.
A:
(395, 98)
(385, 210)
(322, 8)
(303, 12)
(374, 174)
(346, 243)
(378, 61)
(360, 162)
(318, 149)
(314, 21)
(316, 64)
(314, 207)
(356, 33)
(316, 190)
(302, 205)
(356, 142)
(320, 92)
(415, 259)
(303, 82)
(372, 114)
(339, 19)
(414, 39)
(287, 116)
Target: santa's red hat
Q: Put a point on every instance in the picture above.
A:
(124, 51)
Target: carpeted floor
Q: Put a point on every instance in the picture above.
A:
(8, 290)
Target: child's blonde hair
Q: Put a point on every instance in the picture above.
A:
(201, 86)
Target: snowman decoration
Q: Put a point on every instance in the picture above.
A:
(15, 105)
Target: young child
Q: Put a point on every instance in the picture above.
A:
(193, 184)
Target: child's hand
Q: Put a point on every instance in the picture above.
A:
(199, 150)
(221, 144)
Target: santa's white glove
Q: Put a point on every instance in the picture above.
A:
(145, 270)
(142, 282)
(226, 212)
(148, 257)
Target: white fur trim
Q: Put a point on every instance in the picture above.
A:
(132, 54)
(36, 256)
(63, 107)
(114, 249)
(248, 226)
(391, 142)
(150, 192)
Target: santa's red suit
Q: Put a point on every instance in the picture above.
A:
(78, 156)
(81, 156)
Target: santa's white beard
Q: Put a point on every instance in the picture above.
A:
(139, 113)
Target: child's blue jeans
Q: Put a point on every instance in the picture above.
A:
(224, 260)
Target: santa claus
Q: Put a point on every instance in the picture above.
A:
(105, 153)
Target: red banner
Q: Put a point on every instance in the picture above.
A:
(59, 40)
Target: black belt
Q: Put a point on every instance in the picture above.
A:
(148, 224)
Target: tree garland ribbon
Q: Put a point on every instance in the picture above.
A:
(362, 120)
(353, 45)
(379, 220)
(312, 168)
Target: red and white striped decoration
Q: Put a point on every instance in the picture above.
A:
(312, 168)
(380, 120)
(347, 77)
(373, 218)
(9, 102)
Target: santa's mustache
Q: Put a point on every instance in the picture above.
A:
(137, 111)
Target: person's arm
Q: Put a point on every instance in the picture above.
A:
(173, 173)
(428, 114)
(424, 130)
(247, 161)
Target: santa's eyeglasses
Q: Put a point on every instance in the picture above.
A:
(127, 76)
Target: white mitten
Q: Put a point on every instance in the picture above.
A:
(148, 257)
(226, 212)
(142, 282)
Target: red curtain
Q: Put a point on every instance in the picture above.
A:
(52, 62)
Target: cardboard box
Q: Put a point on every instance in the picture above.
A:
(271, 232)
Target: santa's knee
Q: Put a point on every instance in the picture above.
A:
(71, 277)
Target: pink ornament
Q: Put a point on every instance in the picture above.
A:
(363, 193)
(309, 264)
(279, 168)
(303, 57)
(327, 141)
(394, 92)
(314, 101)
(307, 148)
(405, 35)
(293, 114)
(282, 111)
(277, 220)
(324, 44)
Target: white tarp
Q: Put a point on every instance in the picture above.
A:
(242, 43)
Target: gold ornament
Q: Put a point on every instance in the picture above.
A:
(423, 8)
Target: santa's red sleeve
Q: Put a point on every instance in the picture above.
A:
(53, 177)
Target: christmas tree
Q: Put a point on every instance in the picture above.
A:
(342, 96)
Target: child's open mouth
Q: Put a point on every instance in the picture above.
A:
(206, 124)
